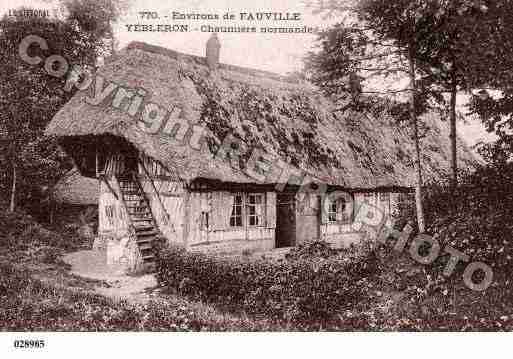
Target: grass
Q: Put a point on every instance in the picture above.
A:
(38, 293)
(29, 304)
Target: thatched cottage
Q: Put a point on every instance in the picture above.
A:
(212, 156)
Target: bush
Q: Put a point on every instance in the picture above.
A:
(309, 291)
(311, 250)
(23, 237)
(27, 304)
(477, 219)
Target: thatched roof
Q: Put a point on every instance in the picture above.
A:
(76, 189)
(287, 119)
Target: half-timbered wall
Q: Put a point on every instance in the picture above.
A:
(337, 225)
(112, 214)
(208, 220)
(167, 206)
(231, 222)
(116, 237)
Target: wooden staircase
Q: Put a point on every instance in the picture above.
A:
(140, 214)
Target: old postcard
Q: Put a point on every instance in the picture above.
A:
(255, 166)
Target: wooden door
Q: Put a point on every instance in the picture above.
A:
(308, 218)
(285, 220)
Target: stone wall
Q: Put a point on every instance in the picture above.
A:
(116, 237)
(235, 247)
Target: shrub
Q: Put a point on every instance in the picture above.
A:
(476, 217)
(23, 237)
(310, 291)
(28, 304)
(315, 249)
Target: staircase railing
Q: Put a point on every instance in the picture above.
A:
(131, 224)
(147, 175)
(104, 179)
(143, 194)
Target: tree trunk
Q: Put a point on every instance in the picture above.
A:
(12, 206)
(418, 164)
(50, 215)
(452, 136)
(51, 205)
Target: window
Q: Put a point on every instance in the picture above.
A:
(337, 210)
(369, 198)
(332, 212)
(248, 210)
(121, 213)
(384, 199)
(204, 221)
(164, 219)
(109, 213)
(236, 215)
(384, 196)
(255, 209)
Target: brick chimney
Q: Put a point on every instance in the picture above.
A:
(212, 52)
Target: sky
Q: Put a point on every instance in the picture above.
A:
(280, 53)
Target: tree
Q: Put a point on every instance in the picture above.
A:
(492, 101)
(497, 116)
(95, 19)
(450, 46)
(379, 39)
(463, 34)
(31, 97)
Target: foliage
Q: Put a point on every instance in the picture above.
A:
(341, 49)
(457, 45)
(317, 287)
(95, 19)
(478, 214)
(496, 113)
(31, 97)
(475, 219)
(24, 239)
(316, 249)
(391, 291)
(29, 251)
(308, 291)
(29, 304)
(263, 117)
(474, 216)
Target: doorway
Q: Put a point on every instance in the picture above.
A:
(285, 220)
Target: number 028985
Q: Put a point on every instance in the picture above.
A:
(29, 344)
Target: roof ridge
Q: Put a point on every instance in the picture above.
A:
(140, 45)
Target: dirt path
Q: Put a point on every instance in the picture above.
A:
(92, 265)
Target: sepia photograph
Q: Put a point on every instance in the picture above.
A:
(283, 167)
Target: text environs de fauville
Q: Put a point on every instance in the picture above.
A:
(244, 16)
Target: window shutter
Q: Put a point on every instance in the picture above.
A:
(221, 209)
(384, 204)
(395, 199)
(271, 209)
(340, 213)
(349, 211)
(358, 201)
(324, 209)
